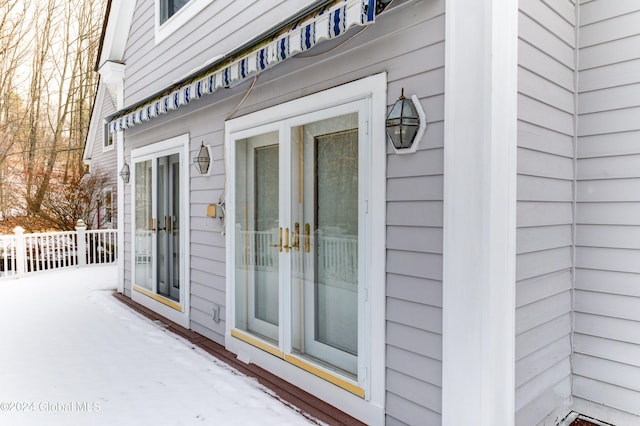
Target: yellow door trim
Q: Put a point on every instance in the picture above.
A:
(304, 365)
(331, 378)
(158, 298)
(257, 343)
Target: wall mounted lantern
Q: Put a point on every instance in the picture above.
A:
(202, 161)
(406, 123)
(125, 173)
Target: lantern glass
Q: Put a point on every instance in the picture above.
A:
(125, 173)
(202, 160)
(403, 123)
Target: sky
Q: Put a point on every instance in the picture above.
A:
(72, 354)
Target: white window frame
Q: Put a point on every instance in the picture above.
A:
(178, 19)
(155, 301)
(315, 379)
(106, 137)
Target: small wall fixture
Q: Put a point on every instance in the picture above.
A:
(406, 123)
(125, 173)
(202, 161)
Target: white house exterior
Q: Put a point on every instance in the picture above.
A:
(490, 277)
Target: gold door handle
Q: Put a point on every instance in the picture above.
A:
(286, 241)
(279, 245)
(307, 238)
(296, 237)
(153, 225)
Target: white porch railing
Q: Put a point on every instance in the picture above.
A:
(22, 253)
(337, 256)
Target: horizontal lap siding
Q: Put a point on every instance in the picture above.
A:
(414, 222)
(407, 42)
(100, 159)
(544, 210)
(105, 159)
(606, 356)
(207, 244)
(218, 29)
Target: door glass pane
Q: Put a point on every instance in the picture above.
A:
(161, 240)
(257, 235)
(167, 212)
(325, 222)
(143, 225)
(174, 218)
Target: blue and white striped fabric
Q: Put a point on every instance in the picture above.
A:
(331, 22)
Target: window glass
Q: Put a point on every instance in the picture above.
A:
(108, 136)
(258, 236)
(297, 238)
(325, 220)
(168, 8)
(107, 202)
(144, 226)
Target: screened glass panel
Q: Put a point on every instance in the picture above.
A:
(143, 225)
(325, 242)
(258, 235)
(167, 212)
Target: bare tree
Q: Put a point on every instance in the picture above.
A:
(14, 23)
(73, 200)
(45, 119)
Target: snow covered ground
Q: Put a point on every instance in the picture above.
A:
(70, 354)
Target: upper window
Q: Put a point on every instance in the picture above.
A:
(168, 8)
(173, 14)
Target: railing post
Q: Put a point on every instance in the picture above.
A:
(21, 251)
(81, 229)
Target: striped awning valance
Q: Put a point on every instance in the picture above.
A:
(331, 22)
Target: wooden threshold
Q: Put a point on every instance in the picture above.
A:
(309, 406)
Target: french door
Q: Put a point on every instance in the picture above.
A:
(157, 222)
(299, 215)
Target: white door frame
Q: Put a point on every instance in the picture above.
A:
(177, 312)
(370, 407)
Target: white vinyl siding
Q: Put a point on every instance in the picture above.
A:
(544, 212)
(606, 360)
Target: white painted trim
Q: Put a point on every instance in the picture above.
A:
(368, 412)
(479, 212)
(569, 419)
(120, 198)
(112, 72)
(180, 18)
(177, 144)
(116, 34)
(120, 160)
(371, 409)
(105, 135)
(94, 121)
